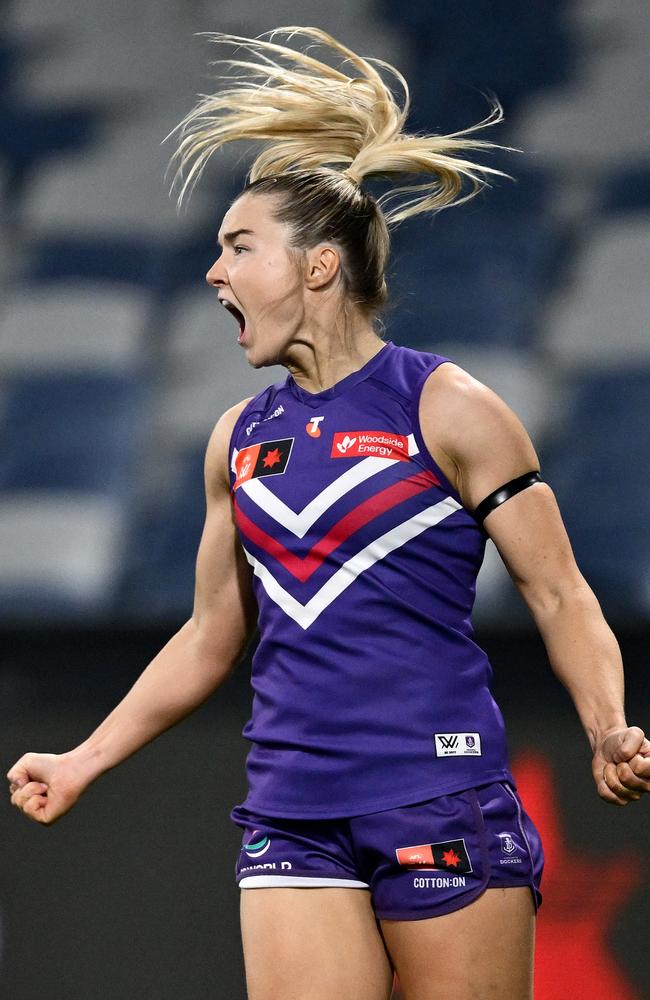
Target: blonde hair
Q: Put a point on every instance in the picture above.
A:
(324, 132)
(312, 116)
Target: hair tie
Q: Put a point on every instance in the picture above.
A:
(351, 176)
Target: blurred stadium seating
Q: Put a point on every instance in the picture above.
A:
(116, 362)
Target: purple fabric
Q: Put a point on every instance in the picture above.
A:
(366, 657)
(466, 842)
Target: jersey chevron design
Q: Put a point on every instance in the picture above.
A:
(306, 615)
(302, 568)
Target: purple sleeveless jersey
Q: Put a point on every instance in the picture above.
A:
(369, 691)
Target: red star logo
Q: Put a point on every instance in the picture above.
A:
(272, 458)
(581, 897)
(450, 858)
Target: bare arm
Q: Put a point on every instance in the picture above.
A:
(195, 661)
(482, 445)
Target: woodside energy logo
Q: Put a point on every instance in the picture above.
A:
(373, 444)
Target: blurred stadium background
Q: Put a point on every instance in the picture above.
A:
(115, 363)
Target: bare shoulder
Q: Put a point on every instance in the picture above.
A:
(454, 395)
(216, 455)
(476, 434)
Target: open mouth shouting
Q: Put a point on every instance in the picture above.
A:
(237, 313)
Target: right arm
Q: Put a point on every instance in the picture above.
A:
(193, 664)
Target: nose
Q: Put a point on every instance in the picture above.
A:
(215, 276)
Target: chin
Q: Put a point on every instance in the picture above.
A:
(256, 362)
(261, 359)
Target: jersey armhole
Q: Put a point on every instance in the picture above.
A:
(417, 430)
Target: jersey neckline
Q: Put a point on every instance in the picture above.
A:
(344, 384)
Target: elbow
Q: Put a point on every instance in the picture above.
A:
(222, 646)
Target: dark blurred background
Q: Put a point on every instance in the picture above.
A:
(115, 363)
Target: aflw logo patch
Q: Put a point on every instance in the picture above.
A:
(377, 444)
(450, 855)
(457, 744)
(270, 458)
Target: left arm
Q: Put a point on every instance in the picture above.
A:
(482, 445)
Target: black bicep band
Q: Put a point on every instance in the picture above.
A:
(504, 493)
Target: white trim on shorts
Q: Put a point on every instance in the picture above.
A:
(298, 881)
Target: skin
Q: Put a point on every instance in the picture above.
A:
(315, 943)
(482, 952)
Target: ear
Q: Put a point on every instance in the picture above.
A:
(322, 264)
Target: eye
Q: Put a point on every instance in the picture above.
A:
(237, 248)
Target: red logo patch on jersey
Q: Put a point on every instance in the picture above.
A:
(370, 444)
(450, 855)
(270, 458)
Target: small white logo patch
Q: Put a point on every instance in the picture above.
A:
(457, 744)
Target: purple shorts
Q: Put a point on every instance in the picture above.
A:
(418, 861)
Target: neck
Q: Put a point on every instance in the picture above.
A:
(320, 360)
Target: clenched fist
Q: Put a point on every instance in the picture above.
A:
(45, 786)
(621, 765)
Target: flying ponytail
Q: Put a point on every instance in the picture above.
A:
(311, 116)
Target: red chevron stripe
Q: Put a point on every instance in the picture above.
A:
(302, 568)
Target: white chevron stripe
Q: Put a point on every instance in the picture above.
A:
(300, 523)
(305, 614)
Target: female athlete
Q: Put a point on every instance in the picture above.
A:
(347, 512)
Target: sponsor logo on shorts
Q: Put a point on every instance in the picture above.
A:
(509, 849)
(312, 427)
(258, 844)
(270, 458)
(267, 866)
(370, 444)
(447, 855)
(440, 882)
(457, 744)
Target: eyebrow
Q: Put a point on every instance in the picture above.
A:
(231, 237)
